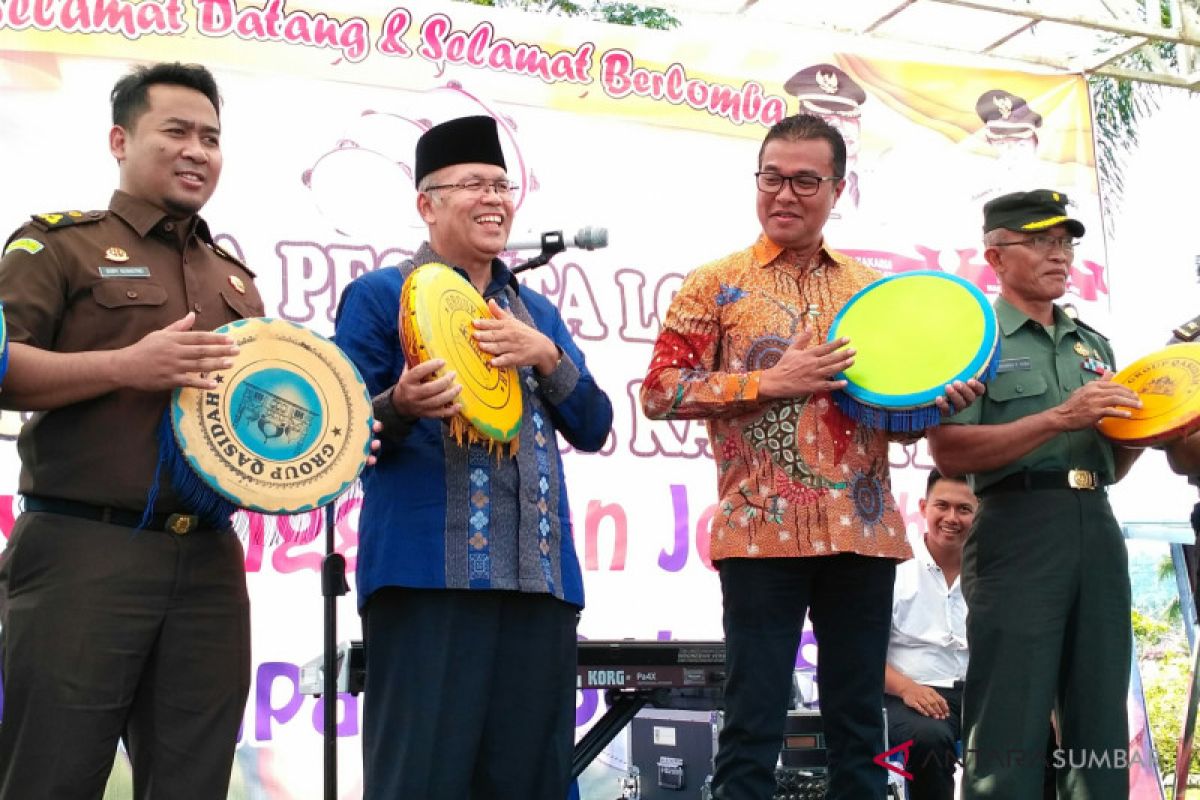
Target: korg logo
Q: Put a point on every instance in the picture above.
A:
(606, 677)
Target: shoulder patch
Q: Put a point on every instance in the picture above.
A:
(1188, 331)
(31, 246)
(65, 219)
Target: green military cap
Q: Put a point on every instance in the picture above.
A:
(1029, 211)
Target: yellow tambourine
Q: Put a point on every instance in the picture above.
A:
(438, 308)
(287, 429)
(1168, 384)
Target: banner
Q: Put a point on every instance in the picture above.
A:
(653, 136)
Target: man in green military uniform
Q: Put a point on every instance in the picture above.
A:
(1044, 571)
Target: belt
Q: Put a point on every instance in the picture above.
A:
(171, 523)
(1030, 481)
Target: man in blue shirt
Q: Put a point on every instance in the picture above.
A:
(468, 581)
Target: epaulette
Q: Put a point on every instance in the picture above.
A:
(64, 219)
(1188, 331)
(228, 256)
(1084, 325)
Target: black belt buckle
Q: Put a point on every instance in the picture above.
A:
(182, 523)
(1082, 479)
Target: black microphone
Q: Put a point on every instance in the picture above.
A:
(588, 238)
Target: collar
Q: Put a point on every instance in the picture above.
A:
(144, 217)
(501, 274)
(767, 253)
(1010, 318)
(923, 557)
(921, 554)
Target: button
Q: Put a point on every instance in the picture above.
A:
(95, 214)
(131, 294)
(1020, 390)
(196, 307)
(170, 226)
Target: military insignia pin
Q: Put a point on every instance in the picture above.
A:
(116, 254)
(237, 284)
(1082, 349)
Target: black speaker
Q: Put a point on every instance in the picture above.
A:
(673, 751)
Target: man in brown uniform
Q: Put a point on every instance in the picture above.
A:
(120, 620)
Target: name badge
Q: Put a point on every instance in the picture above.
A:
(1022, 364)
(124, 272)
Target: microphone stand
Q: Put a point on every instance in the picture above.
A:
(333, 585)
(552, 245)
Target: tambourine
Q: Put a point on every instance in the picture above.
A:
(287, 429)
(913, 333)
(438, 308)
(1168, 384)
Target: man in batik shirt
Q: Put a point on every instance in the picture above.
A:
(806, 519)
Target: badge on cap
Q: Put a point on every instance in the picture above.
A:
(1082, 349)
(236, 283)
(115, 254)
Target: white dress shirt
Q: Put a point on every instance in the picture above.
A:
(928, 642)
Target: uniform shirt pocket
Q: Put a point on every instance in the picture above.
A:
(127, 294)
(1016, 386)
(240, 306)
(1014, 395)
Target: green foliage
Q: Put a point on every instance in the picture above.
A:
(1118, 106)
(617, 13)
(1166, 674)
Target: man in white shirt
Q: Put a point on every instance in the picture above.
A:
(927, 649)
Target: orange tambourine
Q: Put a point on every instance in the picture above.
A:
(438, 308)
(1168, 383)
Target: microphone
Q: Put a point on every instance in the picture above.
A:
(588, 238)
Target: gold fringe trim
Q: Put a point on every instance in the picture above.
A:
(462, 431)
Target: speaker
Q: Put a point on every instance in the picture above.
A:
(673, 752)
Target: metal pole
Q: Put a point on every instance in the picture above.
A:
(333, 585)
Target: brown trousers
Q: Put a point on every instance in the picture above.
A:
(113, 633)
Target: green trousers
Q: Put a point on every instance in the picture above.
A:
(1046, 579)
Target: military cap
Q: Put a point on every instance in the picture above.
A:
(1006, 114)
(1030, 211)
(825, 89)
(465, 140)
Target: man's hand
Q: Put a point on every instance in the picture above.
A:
(376, 429)
(958, 396)
(803, 370)
(419, 394)
(174, 356)
(1093, 401)
(512, 343)
(925, 700)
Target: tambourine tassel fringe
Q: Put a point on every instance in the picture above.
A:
(195, 494)
(909, 420)
(463, 431)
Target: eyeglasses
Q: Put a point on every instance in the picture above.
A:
(502, 186)
(802, 185)
(1044, 243)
